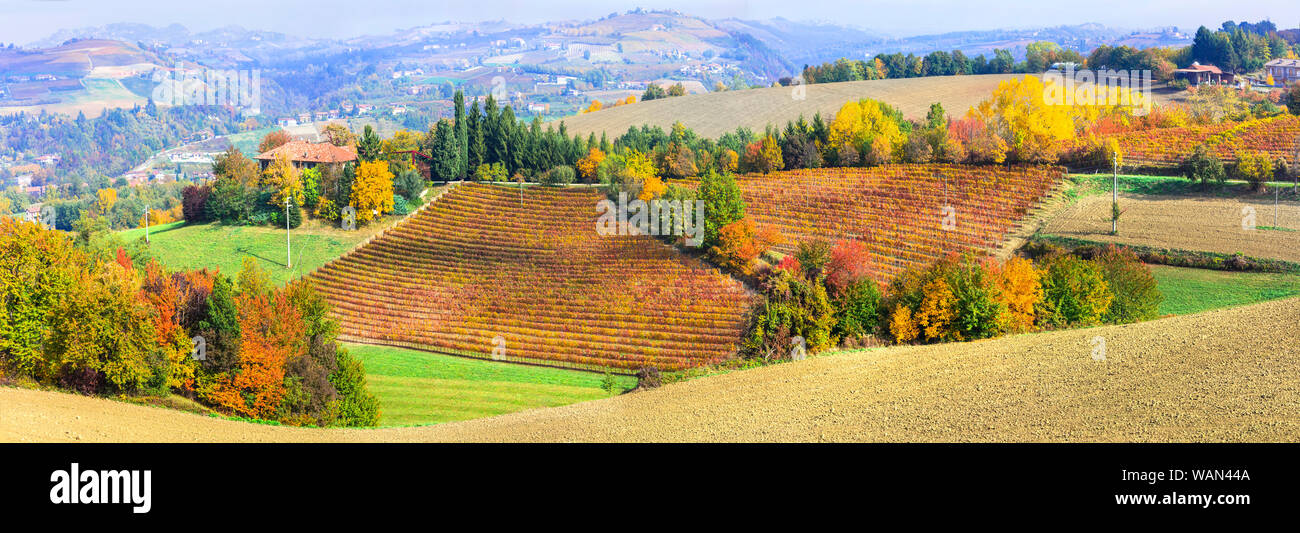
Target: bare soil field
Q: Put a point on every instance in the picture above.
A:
(713, 114)
(1187, 223)
(1227, 375)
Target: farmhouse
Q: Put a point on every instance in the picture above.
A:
(305, 155)
(1198, 74)
(1283, 71)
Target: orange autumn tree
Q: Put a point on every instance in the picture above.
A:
(272, 334)
(1020, 289)
(740, 243)
(162, 292)
(588, 166)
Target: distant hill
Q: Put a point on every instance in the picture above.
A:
(716, 113)
(84, 76)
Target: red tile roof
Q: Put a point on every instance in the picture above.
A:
(1202, 68)
(303, 151)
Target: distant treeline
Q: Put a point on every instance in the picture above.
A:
(1238, 48)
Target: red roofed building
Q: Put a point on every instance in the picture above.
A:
(305, 155)
(1198, 74)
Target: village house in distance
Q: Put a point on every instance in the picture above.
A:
(1283, 71)
(305, 155)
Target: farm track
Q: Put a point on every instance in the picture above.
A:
(1226, 375)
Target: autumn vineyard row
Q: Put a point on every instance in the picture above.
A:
(483, 274)
(1168, 147)
(908, 215)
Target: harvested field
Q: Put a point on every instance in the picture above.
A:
(1227, 375)
(713, 114)
(1187, 223)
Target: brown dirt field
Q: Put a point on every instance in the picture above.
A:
(1199, 224)
(1226, 375)
(713, 114)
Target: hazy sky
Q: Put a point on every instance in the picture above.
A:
(23, 21)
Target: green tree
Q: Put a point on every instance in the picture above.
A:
(369, 147)
(723, 204)
(446, 152)
(462, 136)
(1203, 166)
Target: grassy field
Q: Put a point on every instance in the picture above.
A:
(1192, 290)
(180, 246)
(247, 141)
(1094, 184)
(416, 387)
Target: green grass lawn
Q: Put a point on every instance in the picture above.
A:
(1192, 290)
(186, 247)
(1090, 184)
(247, 141)
(416, 387)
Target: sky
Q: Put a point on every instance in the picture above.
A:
(24, 21)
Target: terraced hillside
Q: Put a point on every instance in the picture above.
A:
(483, 271)
(899, 211)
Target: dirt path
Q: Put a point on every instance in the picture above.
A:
(1202, 224)
(1227, 375)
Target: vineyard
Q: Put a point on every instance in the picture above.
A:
(899, 211)
(487, 272)
(1167, 147)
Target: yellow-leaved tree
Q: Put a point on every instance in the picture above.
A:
(588, 166)
(104, 200)
(862, 122)
(372, 192)
(284, 180)
(1020, 113)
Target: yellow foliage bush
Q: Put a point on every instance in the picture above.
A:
(901, 325)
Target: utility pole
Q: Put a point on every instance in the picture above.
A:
(288, 248)
(146, 224)
(1276, 193)
(1114, 195)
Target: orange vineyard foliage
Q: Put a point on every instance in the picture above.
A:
(896, 211)
(478, 274)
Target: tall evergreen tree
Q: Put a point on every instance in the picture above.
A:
(462, 136)
(477, 146)
(446, 152)
(369, 146)
(507, 133)
(493, 135)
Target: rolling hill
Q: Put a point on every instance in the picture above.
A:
(77, 76)
(492, 272)
(713, 114)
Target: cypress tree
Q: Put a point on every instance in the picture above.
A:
(462, 136)
(477, 146)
